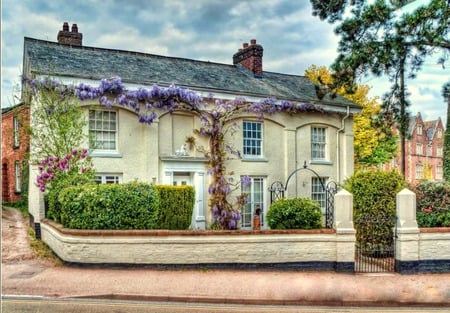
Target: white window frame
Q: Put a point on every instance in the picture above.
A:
(18, 176)
(100, 130)
(440, 151)
(419, 171)
(318, 143)
(419, 148)
(248, 211)
(439, 133)
(439, 172)
(419, 130)
(252, 139)
(103, 178)
(16, 133)
(318, 193)
(429, 150)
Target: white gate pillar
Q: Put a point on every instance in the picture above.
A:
(345, 232)
(407, 244)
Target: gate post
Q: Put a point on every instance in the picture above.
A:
(407, 243)
(345, 232)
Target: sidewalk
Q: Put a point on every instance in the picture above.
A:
(26, 275)
(226, 286)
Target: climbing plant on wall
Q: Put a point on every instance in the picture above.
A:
(217, 116)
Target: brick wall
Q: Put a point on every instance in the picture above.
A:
(12, 152)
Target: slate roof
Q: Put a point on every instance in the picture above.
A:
(50, 58)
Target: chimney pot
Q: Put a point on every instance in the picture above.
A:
(74, 28)
(65, 27)
(253, 42)
(245, 45)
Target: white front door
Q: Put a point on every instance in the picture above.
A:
(197, 180)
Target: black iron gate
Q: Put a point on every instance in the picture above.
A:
(375, 244)
(277, 191)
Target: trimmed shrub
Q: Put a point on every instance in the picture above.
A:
(53, 206)
(176, 204)
(433, 204)
(113, 206)
(297, 213)
(374, 201)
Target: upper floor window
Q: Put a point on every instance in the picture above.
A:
(419, 130)
(439, 133)
(318, 143)
(16, 131)
(429, 150)
(103, 130)
(419, 149)
(253, 136)
(439, 151)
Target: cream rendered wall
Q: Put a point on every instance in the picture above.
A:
(286, 147)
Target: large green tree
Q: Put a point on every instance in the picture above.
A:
(374, 143)
(375, 38)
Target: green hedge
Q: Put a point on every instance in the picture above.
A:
(53, 206)
(297, 213)
(374, 201)
(176, 204)
(112, 206)
(433, 204)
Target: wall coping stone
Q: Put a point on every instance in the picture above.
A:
(435, 230)
(165, 232)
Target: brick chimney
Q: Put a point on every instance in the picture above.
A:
(250, 57)
(66, 37)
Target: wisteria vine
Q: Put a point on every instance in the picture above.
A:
(50, 168)
(215, 116)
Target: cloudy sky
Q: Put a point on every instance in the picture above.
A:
(210, 30)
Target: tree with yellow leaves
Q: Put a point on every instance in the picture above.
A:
(374, 142)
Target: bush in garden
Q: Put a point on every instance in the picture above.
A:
(112, 206)
(176, 204)
(297, 213)
(433, 204)
(53, 206)
(374, 206)
(56, 173)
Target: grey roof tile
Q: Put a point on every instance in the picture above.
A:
(50, 58)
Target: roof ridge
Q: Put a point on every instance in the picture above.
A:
(121, 51)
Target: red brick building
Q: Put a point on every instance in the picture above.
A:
(424, 150)
(15, 147)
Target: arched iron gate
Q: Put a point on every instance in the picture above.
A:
(277, 191)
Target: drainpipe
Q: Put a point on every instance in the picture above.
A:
(340, 130)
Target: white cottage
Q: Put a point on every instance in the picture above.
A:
(271, 149)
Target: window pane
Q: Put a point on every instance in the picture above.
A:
(102, 127)
(255, 193)
(318, 192)
(252, 138)
(18, 177)
(318, 143)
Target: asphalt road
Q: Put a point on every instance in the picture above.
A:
(28, 305)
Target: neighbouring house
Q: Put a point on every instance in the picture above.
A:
(424, 150)
(271, 148)
(15, 148)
